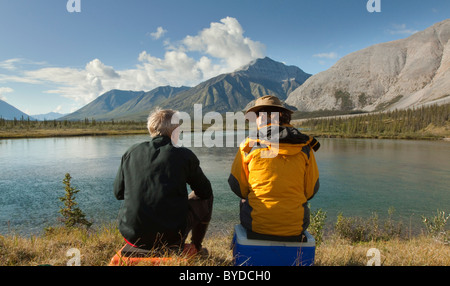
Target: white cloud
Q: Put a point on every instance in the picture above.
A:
(98, 69)
(225, 41)
(401, 29)
(57, 109)
(81, 85)
(222, 48)
(158, 34)
(19, 79)
(9, 64)
(13, 64)
(331, 55)
(4, 90)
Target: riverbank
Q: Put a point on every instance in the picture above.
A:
(98, 247)
(443, 134)
(412, 136)
(49, 133)
(345, 245)
(426, 123)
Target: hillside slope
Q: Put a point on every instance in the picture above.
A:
(398, 74)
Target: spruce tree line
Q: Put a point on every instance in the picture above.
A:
(405, 121)
(27, 124)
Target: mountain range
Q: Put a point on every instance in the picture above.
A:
(399, 74)
(9, 112)
(223, 93)
(48, 116)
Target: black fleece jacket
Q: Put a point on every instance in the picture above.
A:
(152, 182)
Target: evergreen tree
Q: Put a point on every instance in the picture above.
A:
(72, 215)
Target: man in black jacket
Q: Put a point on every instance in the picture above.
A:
(152, 178)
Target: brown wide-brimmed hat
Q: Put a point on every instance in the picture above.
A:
(267, 101)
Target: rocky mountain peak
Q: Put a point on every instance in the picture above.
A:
(398, 74)
(266, 68)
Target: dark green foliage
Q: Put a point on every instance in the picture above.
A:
(72, 215)
(384, 105)
(362, 99)
(391, 123)
(317, 224)
(346, 102)
(85, 124)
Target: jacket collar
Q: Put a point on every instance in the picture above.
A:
(161, 140)
(283, 134)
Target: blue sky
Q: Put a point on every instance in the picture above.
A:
(54, 60)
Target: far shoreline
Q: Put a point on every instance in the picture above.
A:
(40, 134)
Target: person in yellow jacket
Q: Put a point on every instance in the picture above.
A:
(275, 174)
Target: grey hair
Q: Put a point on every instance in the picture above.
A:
(159, 122)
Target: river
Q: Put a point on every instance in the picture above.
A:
(357, 176)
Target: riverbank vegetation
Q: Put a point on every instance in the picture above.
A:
(26, 128)
(431, 122)
(347, 244)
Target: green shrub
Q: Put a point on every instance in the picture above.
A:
(435, 226)
(318, 218)
(357, 229)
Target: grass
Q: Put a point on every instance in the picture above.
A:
(418, 251)
(98, 246)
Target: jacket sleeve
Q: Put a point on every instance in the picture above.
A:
(311, 177)
(119, 183)
(197, 180)
(238, 179)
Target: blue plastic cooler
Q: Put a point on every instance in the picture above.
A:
(253, 252)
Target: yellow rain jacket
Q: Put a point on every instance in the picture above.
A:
(276, 177)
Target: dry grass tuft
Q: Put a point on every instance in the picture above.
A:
(96, 247)
(417, 251)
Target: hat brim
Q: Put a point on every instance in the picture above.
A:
(259, 107)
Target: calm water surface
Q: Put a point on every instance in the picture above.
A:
(358, 177)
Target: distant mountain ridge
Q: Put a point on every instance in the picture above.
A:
(48, 116)
(398, 74)
(9, 112)
(223, 93)
(234, 91)
(103, 104)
